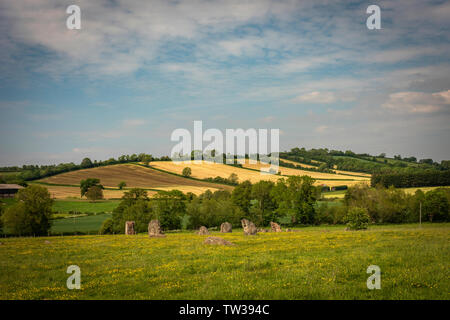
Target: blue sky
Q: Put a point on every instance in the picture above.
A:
(137, 70)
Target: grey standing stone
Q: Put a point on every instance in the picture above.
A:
(275, 227)
(154, 229)
(249, 227)
(226, 227)
(218, 240)
(203, 231)
(129, 228)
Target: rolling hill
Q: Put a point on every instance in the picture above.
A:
(66, 184)
(205, 169)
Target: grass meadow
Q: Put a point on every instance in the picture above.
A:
(324, 262)
(85, 206)
(86, 224)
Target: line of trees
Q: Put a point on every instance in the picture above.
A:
(262, 202)
(405, 179)
(351, 161)
(392, 205)
(34, 172)
(290, 201)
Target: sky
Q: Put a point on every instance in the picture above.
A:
(138, 70)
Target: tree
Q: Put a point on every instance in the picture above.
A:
(31, 215)
(445, 164)
(169, 208)
(241, 196)
(187, 172)
(94, 193)
(437, 205)
(134, 195)
(212, 212)
(233, 178)
(135, 206)
(86, 163)
(263, 206)
(146, 158)
(121, 185)
(89, 182)
(107, 227)
(296, 197)
(357, 218)
(426, 161)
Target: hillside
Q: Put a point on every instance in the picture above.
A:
(205, 169)
(65, 184)
(316, 175)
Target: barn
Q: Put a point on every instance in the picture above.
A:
(9, 190)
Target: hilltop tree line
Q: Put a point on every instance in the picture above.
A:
(405, 179)
(350, 161)
(323, 160)
(34, 172)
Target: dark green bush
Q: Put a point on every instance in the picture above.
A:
(357, 218)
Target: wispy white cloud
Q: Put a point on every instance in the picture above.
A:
(316, 97)
(133, 122)
(418, 102)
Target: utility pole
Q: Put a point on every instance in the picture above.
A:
(420, 214)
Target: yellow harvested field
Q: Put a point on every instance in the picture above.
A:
(186, 189)
(133, 175)
(333, 195)
(205, 169)
(331, 183)
(368, 175)
(297, 172)
(298, 163)
(424, 189)
(58, 192)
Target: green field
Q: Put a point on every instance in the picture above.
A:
(314, 263)
(64, 206)
(84, 224)
(71, 224)
(85, 206)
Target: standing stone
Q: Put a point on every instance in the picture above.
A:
(203, 231)
(249, 227)
(226, 227)
(129, 228)
(219, 241)
(275, 227)
(154, 229)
